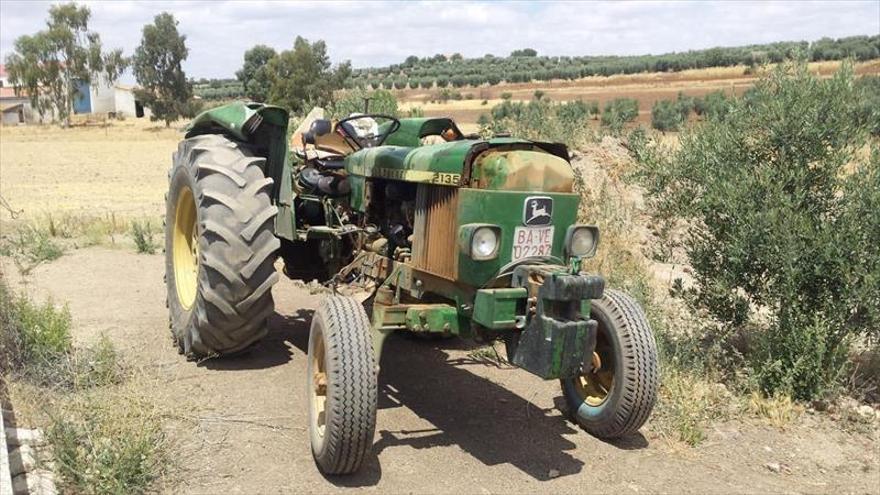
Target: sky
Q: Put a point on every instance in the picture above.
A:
(382, 33)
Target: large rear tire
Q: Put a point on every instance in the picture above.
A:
(219, 247)
(616, 397)
(342, 386)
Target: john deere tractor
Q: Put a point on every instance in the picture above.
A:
(414, 227)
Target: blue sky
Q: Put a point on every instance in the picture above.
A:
(379, 33)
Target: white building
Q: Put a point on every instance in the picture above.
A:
(115, 100)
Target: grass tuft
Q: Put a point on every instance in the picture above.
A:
(143, 237)
(29, 247)
(687, 405)
(779, 409)
(108, 443)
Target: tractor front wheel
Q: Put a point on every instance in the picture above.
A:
(219, 247)
(616, 395)
(342, 386)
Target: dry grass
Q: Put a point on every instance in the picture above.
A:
(688, 404)
(82, 186)
(778, 410)
(86, 171)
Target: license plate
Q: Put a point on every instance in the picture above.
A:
(532, 241)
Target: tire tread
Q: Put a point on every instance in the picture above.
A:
(238, 252)
(352, 368)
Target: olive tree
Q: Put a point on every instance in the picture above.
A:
(781, 205)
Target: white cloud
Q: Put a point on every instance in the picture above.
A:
(380, 33)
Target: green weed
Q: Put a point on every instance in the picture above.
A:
(143, 238)
(107, 443)
(29, 247)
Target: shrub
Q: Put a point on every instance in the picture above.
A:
(415, 112)
(618, 112)
(667, 115)
(381, 101)
(869, 109)
(783, 224)
(30, 246)
(36, 345)
(143, 238)
(713, 106)
(101, 441)
(34, 336)
(446, 94)
(593, 108)
(542, 120)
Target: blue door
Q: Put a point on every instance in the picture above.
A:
(82, 102)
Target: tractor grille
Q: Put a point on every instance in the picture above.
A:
(434, 244)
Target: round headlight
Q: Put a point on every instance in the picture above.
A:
(583, 242)
(484, 243)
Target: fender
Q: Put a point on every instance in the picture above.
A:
(264, 127)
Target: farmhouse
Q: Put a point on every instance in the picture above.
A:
(116, 100)
(97, 97)
(15, 108)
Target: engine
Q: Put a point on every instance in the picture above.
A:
(386, 227)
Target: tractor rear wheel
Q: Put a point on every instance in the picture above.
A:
(342, 386)
(219, 247)
(616, 396)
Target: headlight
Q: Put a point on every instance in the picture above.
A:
(480, 241)
(484, 245)
(581, 241)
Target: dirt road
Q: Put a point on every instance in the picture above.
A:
(447, 422)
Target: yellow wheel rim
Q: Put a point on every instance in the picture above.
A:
(596, 385)
(319, 387)
(185, 248)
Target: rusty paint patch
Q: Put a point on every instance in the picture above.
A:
(522, 170)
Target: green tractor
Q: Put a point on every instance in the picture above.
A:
(425, 230)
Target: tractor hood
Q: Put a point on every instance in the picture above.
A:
(500, 163)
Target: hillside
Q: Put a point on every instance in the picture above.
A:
(526, 66)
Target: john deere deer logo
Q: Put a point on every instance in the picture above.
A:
(538, 210)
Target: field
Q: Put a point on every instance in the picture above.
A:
(645, 88)
(451, 419)
(87, 170)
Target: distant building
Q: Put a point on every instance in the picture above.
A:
(12, 114)
(16, 108)
(13, 107)
(98, 97)
(116, 100)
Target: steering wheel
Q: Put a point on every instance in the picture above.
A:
(348, 133)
